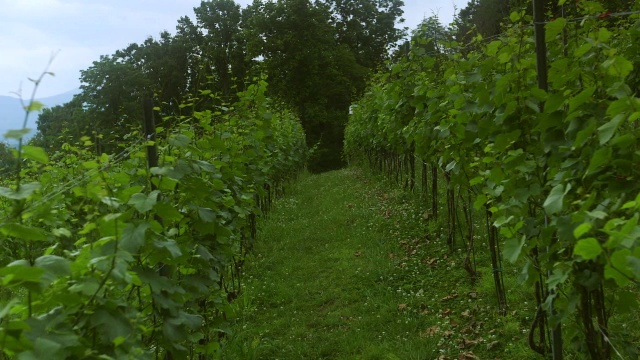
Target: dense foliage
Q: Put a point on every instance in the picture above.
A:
(554, 172)
(110, 256)
(317, 56)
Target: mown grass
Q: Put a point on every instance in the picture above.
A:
(347, 267)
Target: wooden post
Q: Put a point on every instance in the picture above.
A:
(543, 83)
(150, 134)
(152, 161)
(541, 45)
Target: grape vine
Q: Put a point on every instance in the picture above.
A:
(105, 257)
(554, 172)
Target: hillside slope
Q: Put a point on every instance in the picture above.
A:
(12, 113)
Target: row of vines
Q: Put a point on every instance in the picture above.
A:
(548, 178)
(113, 256)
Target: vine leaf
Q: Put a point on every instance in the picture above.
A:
(554, 28)
(588, 248)
(16, 134)
(34, 106)
(581, 98)
(53, 266)
(35, 153)
(23, 232)
(553, 203)
(558, 277)
(133, 237)
(601, 157)
(617, 268)
(618, 66)
(606, 131)
(142, 202)
(581, 230)
(634, 265)
(24, 192)
(513, 248)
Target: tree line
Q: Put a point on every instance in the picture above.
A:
(317, 55)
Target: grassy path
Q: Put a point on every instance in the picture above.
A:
(343, 270)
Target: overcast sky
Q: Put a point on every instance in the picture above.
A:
(79, 31)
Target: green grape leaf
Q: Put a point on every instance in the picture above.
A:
(553, 203)
(554, 28)
(133, 237)
(5, 310)
(20, 272)
(170, 245)
(206, 214)
(581, 98)
(23, 232)
(581, 230)
(588, 248)
(553, 103)
(168, 212)
(25, 191)
(179, 141)
(513, 248)
(601, 157)
(16, 134)
(217, 184)
(481, 199)
(54, 267)
(604, 35)
(558, 276)
(35, 153)
(606, 131)
(515, 16)
(142, 202)
(34, 106)
(61, 232)
(617, 268)
(634, 265)
(618, 66)
(493, 47)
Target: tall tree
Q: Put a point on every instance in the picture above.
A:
(62, 124)
(7, 160)
(318, 56)
(224, 47)
(112, 90)
(367, 27)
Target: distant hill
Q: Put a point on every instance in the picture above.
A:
(12, 113)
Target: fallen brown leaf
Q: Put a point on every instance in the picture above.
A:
(430, 331)
(470, 343)
(449, 297)
(467, 356)
(430, 262)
